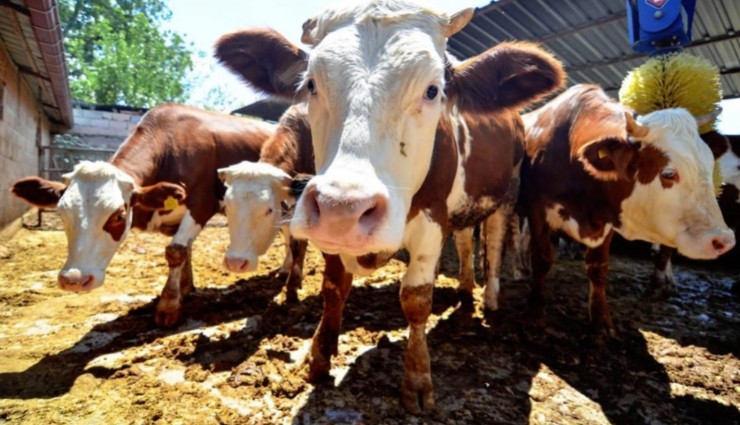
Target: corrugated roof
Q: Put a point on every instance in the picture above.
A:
(31, 33)
(591, 38)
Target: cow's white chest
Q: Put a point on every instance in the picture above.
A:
(172, 218)
(571, 228)
(457, 197)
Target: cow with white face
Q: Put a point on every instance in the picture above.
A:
(260, 198)
(593, 169)
(408, 147)
(173, 148)
(95, 203)
(255, 193)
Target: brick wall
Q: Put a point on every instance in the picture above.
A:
(104, 129)
(23, 124)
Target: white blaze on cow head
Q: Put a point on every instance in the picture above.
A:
(95, 204)
(673, 201)
(254, 194)
(376, 84)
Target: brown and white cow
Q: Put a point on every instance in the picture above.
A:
(408, 146)
(260, 195)
(726, 150)
(592, 169)
(174, 149)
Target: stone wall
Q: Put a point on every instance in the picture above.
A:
(23, 127)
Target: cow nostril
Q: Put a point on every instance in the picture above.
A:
(718, 244)
(368, 212)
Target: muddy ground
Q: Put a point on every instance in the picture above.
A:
(98, 359)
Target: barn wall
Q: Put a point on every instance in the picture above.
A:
(23, 125)
(104, 129)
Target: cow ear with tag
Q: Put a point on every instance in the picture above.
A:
(162, 196)
(38, 192)
(609, 159)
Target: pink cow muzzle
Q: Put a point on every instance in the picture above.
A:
(343, 221)
(76, 281)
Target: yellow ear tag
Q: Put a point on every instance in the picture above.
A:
(602, 153)
(170, 203)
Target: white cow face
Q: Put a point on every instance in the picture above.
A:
(95, 204)
(673, 200)
(254, 194)
(375, 88)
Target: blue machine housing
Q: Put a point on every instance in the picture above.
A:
(659, 26)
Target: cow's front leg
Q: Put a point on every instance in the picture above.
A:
(180, 277)
(334, 290)
(424, 243)
(495, 231)
(597, 267)
(541, 254)
(663, 283)
(294, 279)
(465, 254)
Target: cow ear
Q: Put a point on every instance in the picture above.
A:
(264, 59)
(458, 21)
(39, 192)
(224, 176)
(161, 196)
(608, 159)
(718, 143)
(509, 75)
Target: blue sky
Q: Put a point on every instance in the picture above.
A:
(202, 22)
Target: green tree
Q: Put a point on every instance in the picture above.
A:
(117, 54)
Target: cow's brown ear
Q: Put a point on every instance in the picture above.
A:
(718, 143)
(264, 59)
(509, 75)
(609, 159)
(39, 192)
(161, 196)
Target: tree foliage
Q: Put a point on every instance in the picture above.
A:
(117, 54)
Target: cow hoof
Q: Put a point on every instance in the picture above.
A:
(417, 399)
(318, 368)
(168, 313)
(661, 289)
(291, 296)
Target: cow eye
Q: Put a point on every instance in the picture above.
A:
(669, 174)
(431, 93)
(311, 86)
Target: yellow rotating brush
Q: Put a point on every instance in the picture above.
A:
(675, 80)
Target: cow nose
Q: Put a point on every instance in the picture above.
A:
(75, 280)
(236, 265)
(723, 242)
(345, 213)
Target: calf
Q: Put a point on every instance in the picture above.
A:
(726, 150)
(259, 195)
(592, 169)
(408, 146)
(173, 149)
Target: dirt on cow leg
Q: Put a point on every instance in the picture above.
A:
(169, 306)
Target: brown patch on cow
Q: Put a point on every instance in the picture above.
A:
(290, 148)
(734, 144)
(374, 260)
(116, 223)
(416, 302)
(264, 59)
(176, 254)
(718, 143)
(38, 192)
(650, 162)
